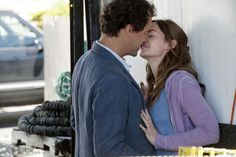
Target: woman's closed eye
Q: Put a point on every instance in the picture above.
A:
(153, 33)
(150, 35)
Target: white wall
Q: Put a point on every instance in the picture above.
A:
(211, 28)
(56, 53)
(137, 69)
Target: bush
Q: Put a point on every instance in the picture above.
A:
(59, 9)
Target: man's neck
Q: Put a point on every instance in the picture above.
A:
(114, 43)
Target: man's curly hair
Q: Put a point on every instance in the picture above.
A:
(119, 13)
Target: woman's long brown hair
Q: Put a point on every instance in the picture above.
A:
(177, 59)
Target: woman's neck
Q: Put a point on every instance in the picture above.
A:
(154, 64)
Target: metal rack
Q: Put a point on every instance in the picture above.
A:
(41, 145)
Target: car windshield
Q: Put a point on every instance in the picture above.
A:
(19, 28)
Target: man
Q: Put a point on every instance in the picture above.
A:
(106, 100)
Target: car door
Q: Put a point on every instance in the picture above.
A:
(21, 50)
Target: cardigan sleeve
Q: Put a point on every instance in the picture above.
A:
(206, 129)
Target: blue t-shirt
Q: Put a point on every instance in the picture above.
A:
(161, 118)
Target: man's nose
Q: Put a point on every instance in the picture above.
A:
(144, 42)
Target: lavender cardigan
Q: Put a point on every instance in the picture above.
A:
(193, 120)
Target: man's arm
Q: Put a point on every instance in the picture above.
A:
(72, 118)
(110, 112)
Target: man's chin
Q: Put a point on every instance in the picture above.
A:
(134, 54)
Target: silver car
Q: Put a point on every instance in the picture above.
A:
(21, 61)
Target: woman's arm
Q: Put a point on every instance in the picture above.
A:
(206, 129)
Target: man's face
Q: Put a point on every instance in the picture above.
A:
(137, 38)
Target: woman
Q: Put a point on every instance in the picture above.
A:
(179, 115)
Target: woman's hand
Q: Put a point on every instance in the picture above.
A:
(150, 131)
(144, 90)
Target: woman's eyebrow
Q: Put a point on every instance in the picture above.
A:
(152, 30)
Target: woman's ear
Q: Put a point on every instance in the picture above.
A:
(173, 43)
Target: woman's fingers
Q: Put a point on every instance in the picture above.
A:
(147, 114)
(143, 128)
(144, 115)
(149, 130)
(145, 120)
(147, 117)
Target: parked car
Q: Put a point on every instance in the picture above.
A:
(21, 61)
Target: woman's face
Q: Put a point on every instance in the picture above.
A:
(156, 46)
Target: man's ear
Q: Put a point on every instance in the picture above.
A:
(129, 28)
(173, 43)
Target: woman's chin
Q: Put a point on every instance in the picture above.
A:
(142, 55)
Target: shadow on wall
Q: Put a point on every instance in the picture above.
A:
(213, 53)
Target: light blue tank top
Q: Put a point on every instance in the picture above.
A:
(161, 118)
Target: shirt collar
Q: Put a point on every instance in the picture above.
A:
(120, 59)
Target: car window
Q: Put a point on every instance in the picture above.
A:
(3, 32)
(18, 27)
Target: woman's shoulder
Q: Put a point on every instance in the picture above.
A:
(178, 77)
(181, 81)
(180, 74)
